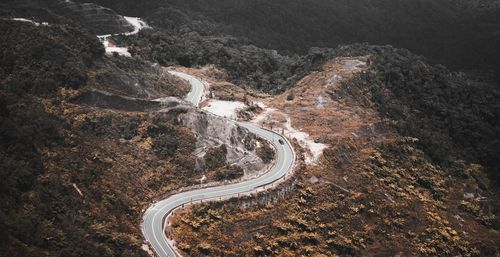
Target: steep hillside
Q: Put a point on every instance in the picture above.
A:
(247, 65)
(84, 149)
(457, 34)
(453, 115)
(89, 16)
(65, 166)
(397, 179)
(460, 35)
(397, 156)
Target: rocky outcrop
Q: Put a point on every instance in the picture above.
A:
(212, 131)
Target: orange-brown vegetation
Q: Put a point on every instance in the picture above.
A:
(74, 177)
(375, 192)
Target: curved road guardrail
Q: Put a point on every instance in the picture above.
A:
(154, 219)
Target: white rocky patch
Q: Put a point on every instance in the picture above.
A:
(146, 248)
(123, 51)
(110, 48)
(321, 101)
(137, 23)
(353, 65)
(315, 149)
(167, 99)
(262, 116)
(226, 109)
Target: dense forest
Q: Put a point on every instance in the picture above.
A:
(459, 34)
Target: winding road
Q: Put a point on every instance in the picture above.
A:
(197, 88)
(154, 219)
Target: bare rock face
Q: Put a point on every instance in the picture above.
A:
(213, 131)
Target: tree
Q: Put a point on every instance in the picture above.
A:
(290, 96)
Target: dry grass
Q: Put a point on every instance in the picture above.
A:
(376, 193)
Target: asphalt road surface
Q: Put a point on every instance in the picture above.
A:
(153, 226)
(197, 88)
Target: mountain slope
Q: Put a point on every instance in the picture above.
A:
(398, 178)
(84, 147)
(411, 166)
(462, 36)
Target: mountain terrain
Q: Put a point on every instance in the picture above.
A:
(459, 34)
(397, 149)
